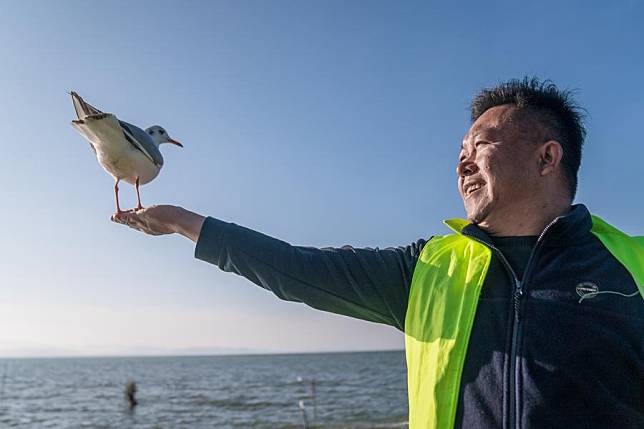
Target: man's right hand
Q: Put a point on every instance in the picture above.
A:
(163, 219)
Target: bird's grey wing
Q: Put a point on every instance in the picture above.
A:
(142, 141)
(83, 108)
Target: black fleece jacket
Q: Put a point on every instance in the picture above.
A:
(540, 357)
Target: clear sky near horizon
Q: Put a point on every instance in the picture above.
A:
(322, 123)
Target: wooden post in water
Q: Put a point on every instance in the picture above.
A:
(3, 408)
(4, 376)
(315, 405)
(304, 418)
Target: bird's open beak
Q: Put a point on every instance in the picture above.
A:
(174, 142)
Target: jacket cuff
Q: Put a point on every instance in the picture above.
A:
(211, 240)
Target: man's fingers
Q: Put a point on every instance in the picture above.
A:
(135, 221)
(126, 219)
(119, 218)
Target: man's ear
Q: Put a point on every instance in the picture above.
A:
(550, 154)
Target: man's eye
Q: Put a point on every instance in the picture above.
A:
(480, 143)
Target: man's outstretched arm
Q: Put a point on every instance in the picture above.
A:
(370, 284)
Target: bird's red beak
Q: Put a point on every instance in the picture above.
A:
(174, 142)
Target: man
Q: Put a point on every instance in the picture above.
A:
(527, 316)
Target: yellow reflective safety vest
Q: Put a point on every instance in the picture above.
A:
(444, 293)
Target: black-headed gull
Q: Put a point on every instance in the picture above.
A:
(124, 150)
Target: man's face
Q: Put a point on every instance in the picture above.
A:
(497, 165)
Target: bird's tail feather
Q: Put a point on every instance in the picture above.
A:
(83, 108)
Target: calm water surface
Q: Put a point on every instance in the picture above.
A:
(352, 390)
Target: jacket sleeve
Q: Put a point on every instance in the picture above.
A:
(369, 284)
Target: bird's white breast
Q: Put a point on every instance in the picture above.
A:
(115, 154)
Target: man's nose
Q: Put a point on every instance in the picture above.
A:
(466, 168)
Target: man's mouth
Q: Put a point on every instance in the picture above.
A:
(470, 188)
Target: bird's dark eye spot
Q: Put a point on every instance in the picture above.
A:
(161, 132)
(151, 132)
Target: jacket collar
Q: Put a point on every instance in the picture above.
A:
(572, 227)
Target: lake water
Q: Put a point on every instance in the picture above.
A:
(351, 390)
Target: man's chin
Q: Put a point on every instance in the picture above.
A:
(476, 216)
(474, 219)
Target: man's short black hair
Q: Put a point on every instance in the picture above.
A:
(554, 109)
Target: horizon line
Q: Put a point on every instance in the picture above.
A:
(180, 355)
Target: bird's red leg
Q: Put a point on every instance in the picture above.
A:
(138, 196)
(116, 193)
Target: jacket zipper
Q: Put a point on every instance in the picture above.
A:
(516, 317)
(516, 297)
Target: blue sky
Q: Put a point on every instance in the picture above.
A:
(322, 123)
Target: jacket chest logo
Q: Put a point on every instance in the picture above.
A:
(587, 290)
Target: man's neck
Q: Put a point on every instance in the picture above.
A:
(525, 221)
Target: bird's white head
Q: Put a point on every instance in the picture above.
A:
(160, 135)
